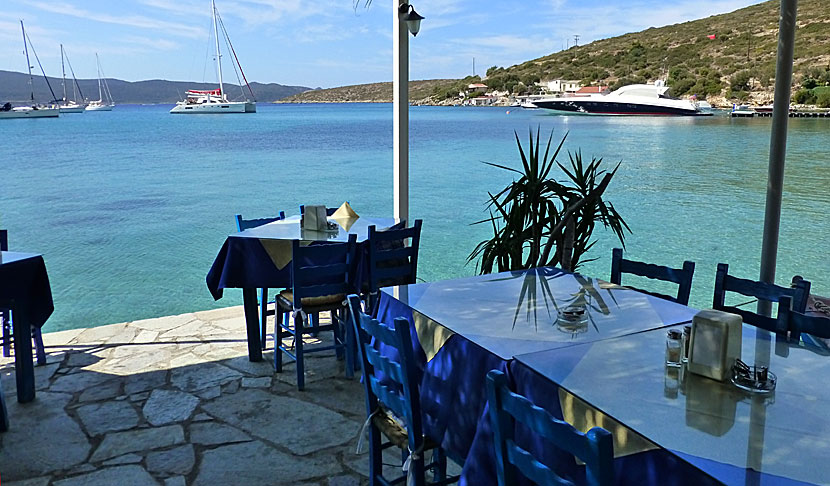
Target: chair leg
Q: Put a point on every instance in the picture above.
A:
(263, 315)
(349, 348)
(440, 467)
(7, 334)
(299, 329)
(278, 322)
(375, 456)
(417, 470)
(315, 324)
(40, 352)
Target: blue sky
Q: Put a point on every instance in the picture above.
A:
(321, 43)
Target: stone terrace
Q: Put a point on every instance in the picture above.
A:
(175, 401)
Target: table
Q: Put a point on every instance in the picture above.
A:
(733, 436)
(259, 258)
(465, 327)
(24, 288)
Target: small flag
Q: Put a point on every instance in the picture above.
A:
(711, 36)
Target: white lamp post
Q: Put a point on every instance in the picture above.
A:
(405, 19)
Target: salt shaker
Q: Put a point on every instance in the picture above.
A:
(673, 347)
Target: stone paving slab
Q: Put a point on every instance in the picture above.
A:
(175, 401)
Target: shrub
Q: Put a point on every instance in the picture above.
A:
(804, 97)
(740, 81)
(823, 99)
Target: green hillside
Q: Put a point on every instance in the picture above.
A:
(366, 93)
(739, 61)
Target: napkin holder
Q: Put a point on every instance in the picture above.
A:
(315, 218)
(715, 343)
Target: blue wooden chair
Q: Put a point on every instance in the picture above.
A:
(798, 322)
(393, 402)
(264, 310)
(681, 276)
(595, 448)
(392, 260)
(320, 277)
(798, 293)
(6, 319)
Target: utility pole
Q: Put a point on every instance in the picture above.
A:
(474, 66)
(576, 40)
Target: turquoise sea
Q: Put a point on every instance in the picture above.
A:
(130, 207)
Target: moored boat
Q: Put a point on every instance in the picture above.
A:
(742, 111)
(66, 105)
(216, 100)
(634, 99)
(34, 110)
(104, 101)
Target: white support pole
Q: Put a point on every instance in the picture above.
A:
(400, 87)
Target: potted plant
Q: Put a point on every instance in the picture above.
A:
(539, 221)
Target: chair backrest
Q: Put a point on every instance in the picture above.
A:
(321, 269)
(329, 211)
(243, 224)
(391, 260)
(389, 381)
(681, 276)
(798, 322)
(798, 293)
(595, 448)
(4, 240)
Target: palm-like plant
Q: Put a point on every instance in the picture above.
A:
(539, 221)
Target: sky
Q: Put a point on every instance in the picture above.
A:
(318, 43)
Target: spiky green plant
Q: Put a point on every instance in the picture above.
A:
(530, 217)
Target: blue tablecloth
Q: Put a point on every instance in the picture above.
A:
(453, 368)
(24, 288)
(260, 257)
(25, 283)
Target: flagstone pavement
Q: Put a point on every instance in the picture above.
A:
(174, 401)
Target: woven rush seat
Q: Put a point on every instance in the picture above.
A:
(312, 304)
(395, 431)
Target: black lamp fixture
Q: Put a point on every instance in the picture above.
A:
(413, 20)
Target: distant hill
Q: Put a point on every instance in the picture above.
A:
(14, 87)
(366, 93)
(737, 63)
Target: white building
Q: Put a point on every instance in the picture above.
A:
(561, 86)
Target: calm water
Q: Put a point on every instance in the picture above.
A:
(130, 207)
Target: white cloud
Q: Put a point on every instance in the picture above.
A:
(137, 21)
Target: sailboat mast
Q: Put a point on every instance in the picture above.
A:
(28, 62)
(218, 54)
(98, 66)
(63, 72)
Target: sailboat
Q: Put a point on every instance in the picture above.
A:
(104, 101)
(67, 106)
(216, 100)
(34, 110)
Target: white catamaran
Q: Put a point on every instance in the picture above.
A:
(66, 105)
(216, 100)
(104, 101)
(33, 110)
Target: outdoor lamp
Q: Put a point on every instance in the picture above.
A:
(413, 20)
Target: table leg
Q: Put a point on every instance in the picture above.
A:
(251, 324)
(4, 414)
(24, 369)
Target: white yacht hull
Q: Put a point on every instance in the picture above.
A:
(31, 113)
(208, 108)
(72, 109)
(99, 107)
